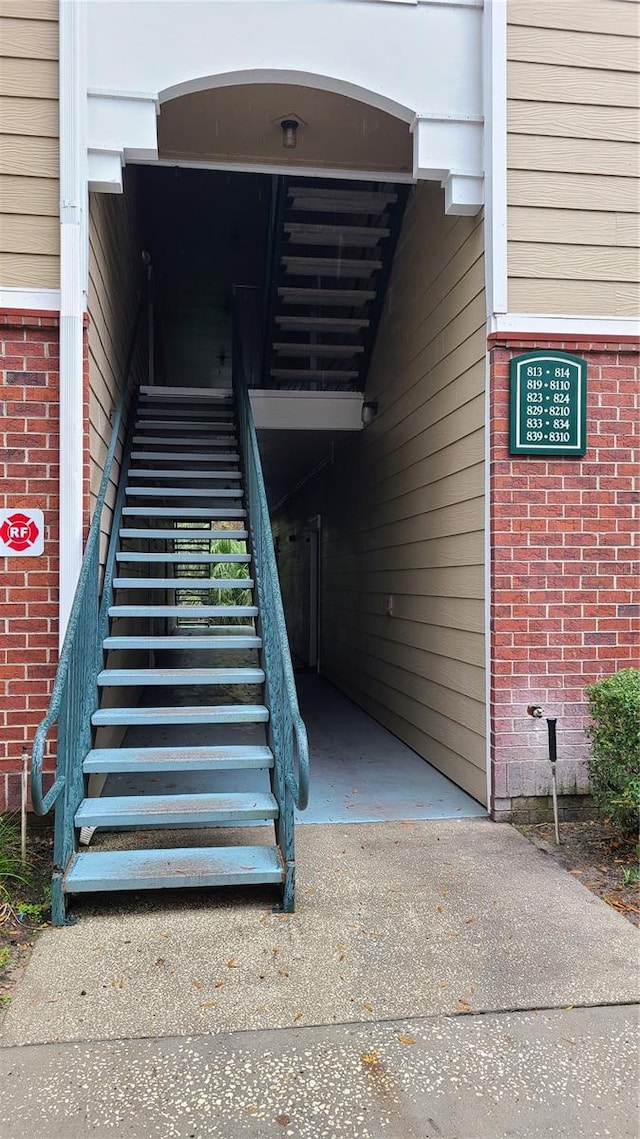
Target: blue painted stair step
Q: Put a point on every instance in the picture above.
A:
(177, 535)
(192, 583)
(206, 644)
(222, 714)
(118, 677)
(183, 611)
(175, 810)
(231, 757)
(164, 869)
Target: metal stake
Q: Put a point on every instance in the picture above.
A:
(23, 806)
(553, 756)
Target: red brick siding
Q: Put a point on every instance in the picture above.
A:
(564, 576)
(29, 456)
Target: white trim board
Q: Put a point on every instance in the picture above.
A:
(495, 153)
(549, 323)
(41, 300)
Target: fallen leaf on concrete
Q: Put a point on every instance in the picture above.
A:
(297, 1016)
(463, 1006)
(367, 1006)
(208, 1004)
(232, 963)
(218, 984)
(577, 872)
(439, 909)
(197, 984)
(370, 1057)
(283, 972)
(276, 950)
(445, 985)
(406, 1039)
(159, 960)
(283, 1120)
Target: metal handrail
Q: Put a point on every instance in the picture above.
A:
(74, 693)
(287, 728)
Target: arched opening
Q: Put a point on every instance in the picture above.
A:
(366, 287)
(240, 125)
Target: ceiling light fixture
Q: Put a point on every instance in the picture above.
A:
(289, 133)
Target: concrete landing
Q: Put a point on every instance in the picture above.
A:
(394, 921)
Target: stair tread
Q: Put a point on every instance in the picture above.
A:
(152, 810)
(323, 323)
(180, 535)
(210, 440)
(182, 583)
(292, 348)
(162, 391)
(171, 407)
(183, 512)
(195, 611)
(298, 295)
(331, 266)
(210, 642)
(159, 473)
(190, 457)
(158, 869)
(318, 233)
(183, 492)
(213, 714)
(186, 424)
(228, 757)
(110, 677)
(185, 558)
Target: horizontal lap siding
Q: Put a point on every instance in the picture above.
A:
(29, 165)
(402, 506)
(115, 277)
(573, 157)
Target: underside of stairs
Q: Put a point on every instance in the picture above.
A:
(182, 740)
(331, 255)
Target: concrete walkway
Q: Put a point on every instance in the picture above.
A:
(403, 929)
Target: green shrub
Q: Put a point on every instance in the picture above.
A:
(614, 767)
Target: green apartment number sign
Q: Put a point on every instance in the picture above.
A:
(548, 404)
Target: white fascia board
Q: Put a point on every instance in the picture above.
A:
(553, 324)
(306, 411)
(291, 171)
(33, 300)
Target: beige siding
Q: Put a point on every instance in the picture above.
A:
(115, 279)
(402, 507)
(29, 194)
(573, 157)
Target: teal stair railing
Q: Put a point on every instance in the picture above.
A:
(74, 696)
(288, 735)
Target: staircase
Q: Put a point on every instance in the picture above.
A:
(331, 259)
(198, 709)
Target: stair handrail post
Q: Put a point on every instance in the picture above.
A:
(291, 751)
(74, 695)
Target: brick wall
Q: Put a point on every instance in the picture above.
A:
(564, 605)
(29, 434)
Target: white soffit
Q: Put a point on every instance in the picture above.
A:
(306, 411)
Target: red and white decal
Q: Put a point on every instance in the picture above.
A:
(21, 533)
